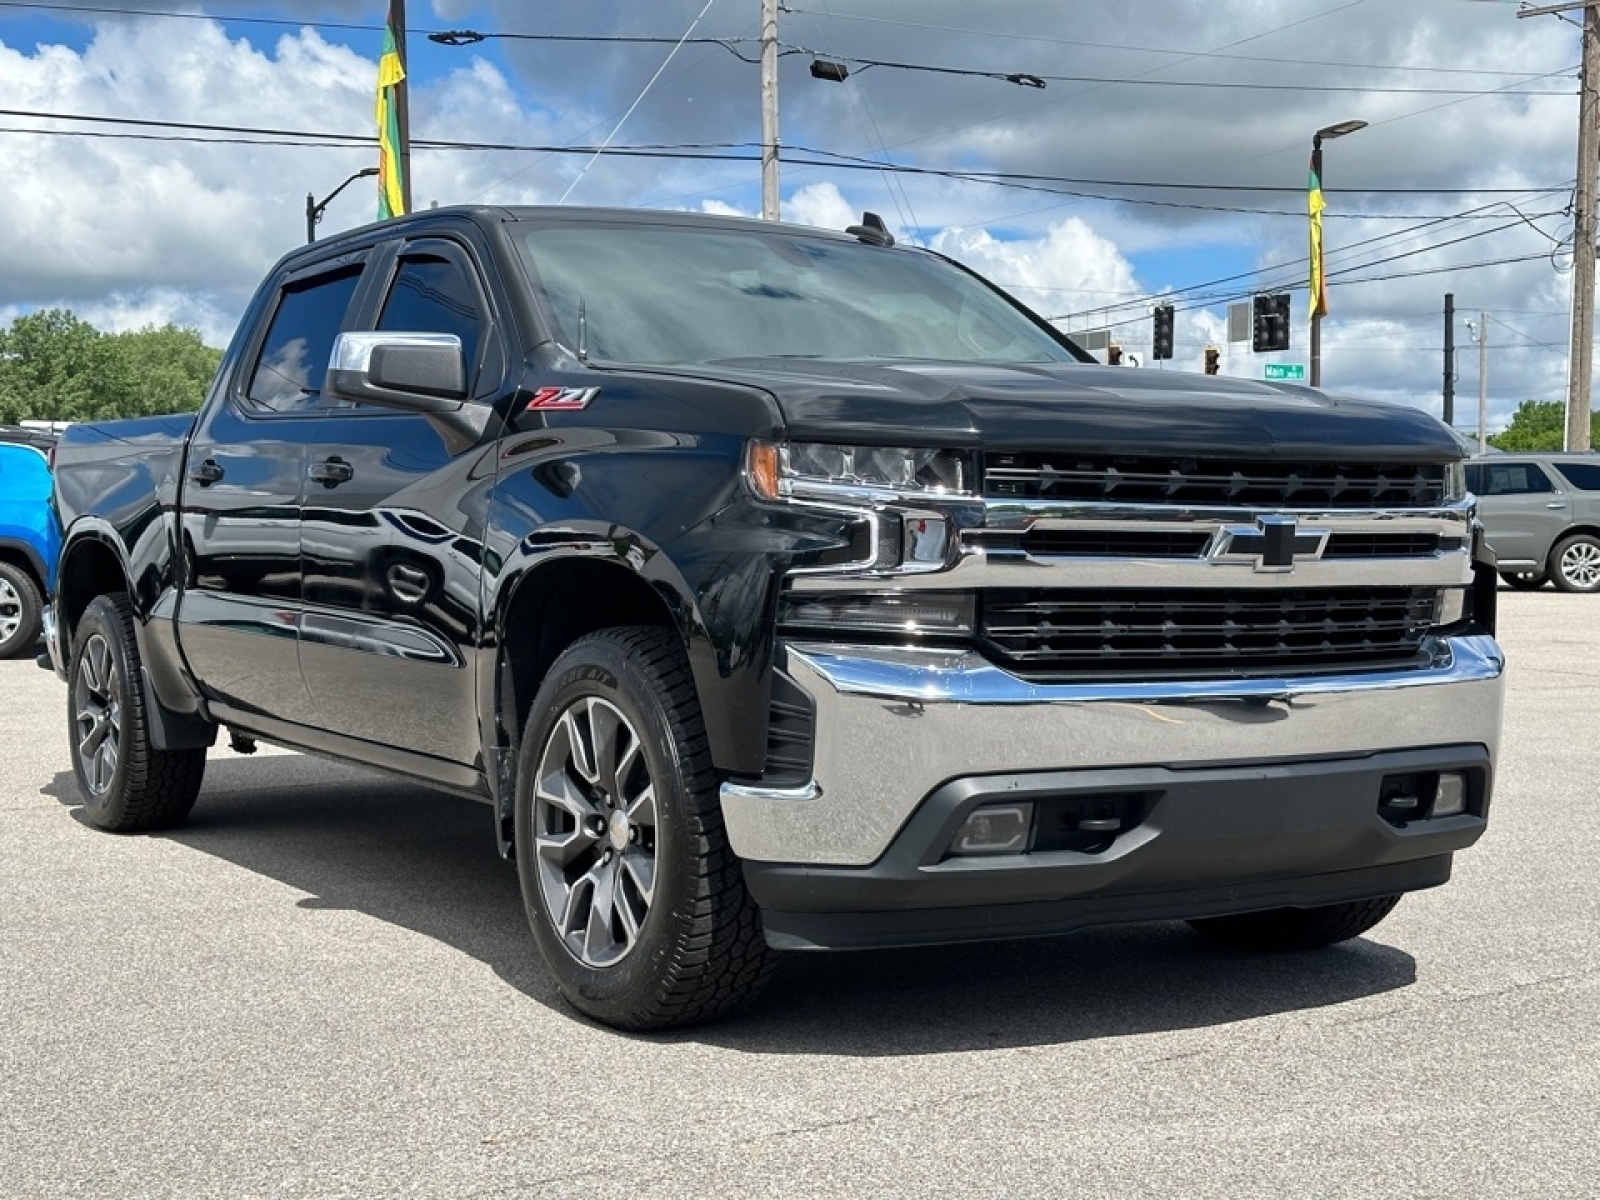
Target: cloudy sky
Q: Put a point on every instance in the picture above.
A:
(1166, 155)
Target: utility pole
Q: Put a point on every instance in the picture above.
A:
(769, 110)
(1581, 358)
(1483, 382)
(1450, 358)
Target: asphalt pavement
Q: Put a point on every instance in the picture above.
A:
(322, 986)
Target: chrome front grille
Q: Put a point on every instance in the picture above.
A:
(1217, 483)
(1203, 631)
(1055, 542)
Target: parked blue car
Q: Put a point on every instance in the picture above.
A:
(30, 543)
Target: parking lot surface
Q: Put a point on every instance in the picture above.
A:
(323, 986)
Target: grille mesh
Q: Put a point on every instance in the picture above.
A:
(1123, 632)
(1211, 482)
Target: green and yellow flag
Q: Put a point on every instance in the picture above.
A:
(1315, 205)
(391, 72)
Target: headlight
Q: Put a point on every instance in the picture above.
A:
(827, 470)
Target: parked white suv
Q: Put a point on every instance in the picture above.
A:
(1542, 516)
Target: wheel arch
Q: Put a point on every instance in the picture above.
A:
(26, 559)
(541, 613)
(91, 565)
(1589, 528)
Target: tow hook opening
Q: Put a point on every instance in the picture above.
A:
(1082, 824)
(1423, 795)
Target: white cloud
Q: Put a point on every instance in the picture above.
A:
(1070, 267)
(140, 230)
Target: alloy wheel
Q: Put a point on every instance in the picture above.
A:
(97, 714)
(10, 611)
(594, 816)
(1580, 564)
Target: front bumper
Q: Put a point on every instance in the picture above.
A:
(1249, 784)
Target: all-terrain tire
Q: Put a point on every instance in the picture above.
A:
(1279, 929)
(128, 785)
(20, 609)
(635, 898)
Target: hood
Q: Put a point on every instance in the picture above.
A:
(1086, 408)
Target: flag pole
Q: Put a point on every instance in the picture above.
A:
(394, 118)
(402, 100)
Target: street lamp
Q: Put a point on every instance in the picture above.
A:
(1319, 285)
(314, 210)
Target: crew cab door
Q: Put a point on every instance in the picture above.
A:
(1522, 509)
(392, 532)
(245, 477)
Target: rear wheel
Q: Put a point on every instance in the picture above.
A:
(633, 894)
(1575, 564)
(128, 785)
(20, 607)
(1296, 928)
(1524, 581)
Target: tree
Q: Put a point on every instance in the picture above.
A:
(1540, 425)
(56, 367)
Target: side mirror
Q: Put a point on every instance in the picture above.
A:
(416, 372)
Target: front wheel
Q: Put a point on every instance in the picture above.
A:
(1575, 564)
(633, 894)
(1278, 929)
(128, 785)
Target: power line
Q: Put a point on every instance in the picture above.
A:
(617, 128)
(1296, 263)
(1184, 54)
(735, 46)
(720, 151)
(1031, 79)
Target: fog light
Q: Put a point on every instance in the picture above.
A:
(1451, 798)
(994, 829)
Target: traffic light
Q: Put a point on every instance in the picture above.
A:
(1161, 343)
(1114, 355)
(1213, 360)
(1270, 330)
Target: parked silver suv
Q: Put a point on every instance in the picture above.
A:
(1542, 516)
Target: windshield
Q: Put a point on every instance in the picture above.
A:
(675, 294)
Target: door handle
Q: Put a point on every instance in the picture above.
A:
(207, 472)
(1556, 504)
(409, 584)
(333, 472)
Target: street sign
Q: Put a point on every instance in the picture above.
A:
(1286, 371)
(1239, 322)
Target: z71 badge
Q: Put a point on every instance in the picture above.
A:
(556, 399)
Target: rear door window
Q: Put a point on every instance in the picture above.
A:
(1583, 476)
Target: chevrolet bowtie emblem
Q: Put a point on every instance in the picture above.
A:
(1272, 544)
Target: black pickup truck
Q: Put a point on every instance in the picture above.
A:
(786, 589)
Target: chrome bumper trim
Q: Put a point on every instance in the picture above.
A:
(893, 725)
(980, 568)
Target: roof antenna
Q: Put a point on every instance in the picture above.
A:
(872, 230)
(583, 330)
